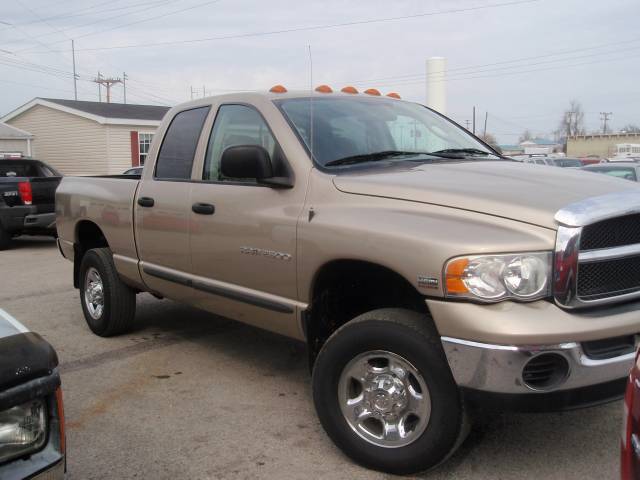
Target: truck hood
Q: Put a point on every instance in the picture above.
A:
(523, 192)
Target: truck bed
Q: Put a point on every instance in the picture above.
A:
(106, 200)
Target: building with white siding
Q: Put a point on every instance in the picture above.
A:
(87, 138)
(14, 142)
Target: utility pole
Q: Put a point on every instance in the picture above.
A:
(124, 87)
(204, 91)
(108, 83)
(468, 122)
(604, 116)
(99, 88)
(75, 75)
(486, 116)
(474, 119)
(191, 92)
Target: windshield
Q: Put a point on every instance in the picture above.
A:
(355, 127)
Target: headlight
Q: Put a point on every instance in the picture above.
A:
(490, 278)
(23, 429)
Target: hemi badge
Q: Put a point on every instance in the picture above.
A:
(428, 282)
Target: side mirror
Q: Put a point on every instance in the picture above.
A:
(246, 161)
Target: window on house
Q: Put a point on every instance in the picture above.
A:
(144, 142)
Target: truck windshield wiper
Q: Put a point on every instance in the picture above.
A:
(372, 157)
(459, 152)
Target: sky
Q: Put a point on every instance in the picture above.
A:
(522, 61)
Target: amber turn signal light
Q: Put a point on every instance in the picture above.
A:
(454, 275)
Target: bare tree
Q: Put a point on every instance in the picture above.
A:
(572, 121)
(526, 135)
(491, 140)
(630, 128)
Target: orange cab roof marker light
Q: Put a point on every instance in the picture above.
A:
(372, 91)
(324, 89)
(393, 95)
(278, 89)
(349, 89)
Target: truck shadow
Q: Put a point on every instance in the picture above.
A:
(32, 242)
(578, 444)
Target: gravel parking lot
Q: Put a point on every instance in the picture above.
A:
(192, 395)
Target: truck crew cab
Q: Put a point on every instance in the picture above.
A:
(429, 276)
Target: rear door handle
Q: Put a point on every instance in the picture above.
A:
(146, 201)
(203, 208)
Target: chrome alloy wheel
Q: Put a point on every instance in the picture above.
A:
(94, 293)
(384, 399)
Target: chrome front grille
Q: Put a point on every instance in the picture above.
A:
(613, 232)
(605, 278)
(597, 258)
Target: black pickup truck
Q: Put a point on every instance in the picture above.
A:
(27, 199)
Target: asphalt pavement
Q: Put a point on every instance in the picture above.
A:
(191, 395)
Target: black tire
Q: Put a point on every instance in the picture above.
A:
(412, 336)
(5, 239)
(119, 304)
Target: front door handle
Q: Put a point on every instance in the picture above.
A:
(146, 201)
(203, 208)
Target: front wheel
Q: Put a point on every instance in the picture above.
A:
(385, 394)
(109, 305)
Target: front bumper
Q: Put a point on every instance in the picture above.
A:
(489, 346)
(499, 368)
(55, 472)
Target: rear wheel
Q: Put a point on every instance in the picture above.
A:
(5, 239)
(109, 305)
(385, 394)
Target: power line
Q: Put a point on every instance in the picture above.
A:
(147, 94)
(37, 15)
(309, 28)
(413, 82)
(144, 20)
(516, 60)
(103, 19)
(90, 11)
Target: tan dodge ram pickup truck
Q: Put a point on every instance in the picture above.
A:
(429, 276)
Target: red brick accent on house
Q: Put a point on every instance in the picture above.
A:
(135, 149)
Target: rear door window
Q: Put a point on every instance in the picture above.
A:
(175, 158)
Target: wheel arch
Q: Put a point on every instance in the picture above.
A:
(87, 235)
(342, 289)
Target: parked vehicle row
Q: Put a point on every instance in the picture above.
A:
(555, 162)
(430, 277)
